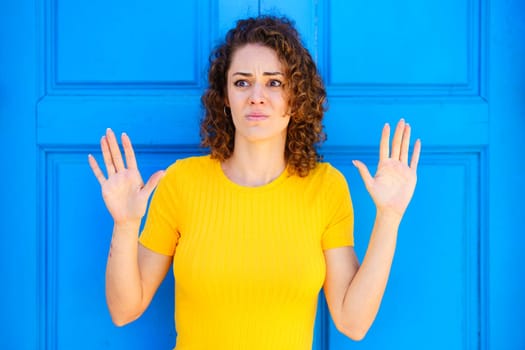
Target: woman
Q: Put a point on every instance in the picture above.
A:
(256, 228)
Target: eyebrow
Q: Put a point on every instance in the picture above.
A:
(250, 74)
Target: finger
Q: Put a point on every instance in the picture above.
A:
(153, 182)
(363, 171)
(415, 155)
(384, 144)
(96, 169)
(106, 155)
(118, 162)
(405, 143)
(131, 161)
(396, 141)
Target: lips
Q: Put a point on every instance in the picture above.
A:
(256, 116)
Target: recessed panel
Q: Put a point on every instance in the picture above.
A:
(432, 298)
(400, 43)
(123, 42)
(78, 233)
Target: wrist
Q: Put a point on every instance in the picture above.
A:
(388, 216)
(127, 226)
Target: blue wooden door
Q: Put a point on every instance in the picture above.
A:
(454, 69)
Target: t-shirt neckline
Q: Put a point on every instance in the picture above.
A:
(249, 189)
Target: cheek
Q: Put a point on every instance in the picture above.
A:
(284, 103)
(235, 99)
(285, 121)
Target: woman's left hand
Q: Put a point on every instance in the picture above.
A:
(393, 185)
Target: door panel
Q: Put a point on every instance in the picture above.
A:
(76, 249)
(140, 67)
(127, 42)
(379, 46)
(379, 68)
(434, 284)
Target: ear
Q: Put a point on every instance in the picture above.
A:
(226, 102)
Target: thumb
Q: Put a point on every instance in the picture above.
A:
(153, 182)
(363, 171)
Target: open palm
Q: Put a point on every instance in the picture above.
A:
(392, 187)
(124, 192)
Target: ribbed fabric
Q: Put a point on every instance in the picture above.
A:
(248, 261)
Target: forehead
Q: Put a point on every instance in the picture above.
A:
(252, 57)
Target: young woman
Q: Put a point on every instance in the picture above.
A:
(258, 226)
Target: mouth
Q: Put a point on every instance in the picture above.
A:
(256, 116)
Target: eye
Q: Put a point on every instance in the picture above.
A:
(275, 83)
(241, 83)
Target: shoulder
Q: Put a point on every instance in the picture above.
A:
(323, 181)
(188, 169)
(190, 164)
(326, 174)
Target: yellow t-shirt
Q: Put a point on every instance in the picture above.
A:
(248, 261)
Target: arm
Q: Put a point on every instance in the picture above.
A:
(133, 275)
(354, 292)
(133, 272)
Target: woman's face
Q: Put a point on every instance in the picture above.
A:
(256, 94)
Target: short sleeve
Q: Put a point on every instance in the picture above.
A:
(339, 231)
(160, 232)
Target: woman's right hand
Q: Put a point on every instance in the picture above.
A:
(124, 192)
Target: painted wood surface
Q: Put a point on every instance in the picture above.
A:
(453, 69)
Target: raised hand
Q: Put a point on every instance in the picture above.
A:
(124, 192)
(393, 185)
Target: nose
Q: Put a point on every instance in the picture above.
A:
(257, 95)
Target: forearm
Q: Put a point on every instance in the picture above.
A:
(123, 281)
(365, 292)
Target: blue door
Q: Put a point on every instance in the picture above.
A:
(453, 68)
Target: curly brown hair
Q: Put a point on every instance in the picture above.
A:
(304, 87)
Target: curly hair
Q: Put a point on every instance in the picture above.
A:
(304, 87)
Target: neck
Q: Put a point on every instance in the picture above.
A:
(256, 164)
